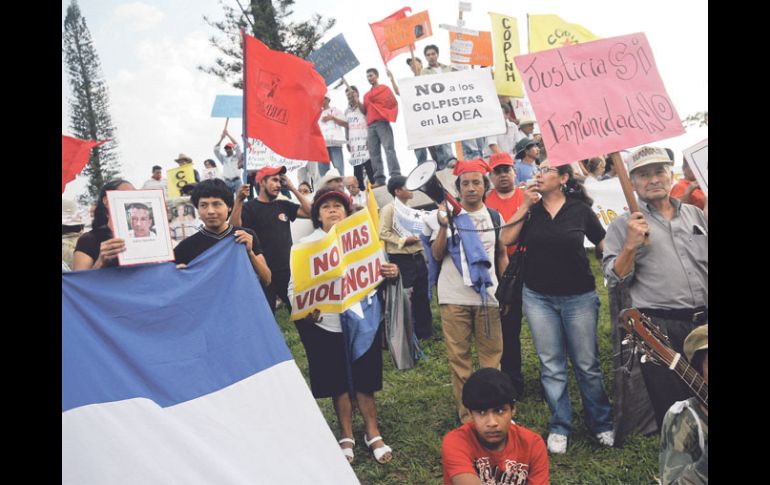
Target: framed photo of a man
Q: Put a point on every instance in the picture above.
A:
(140, 218)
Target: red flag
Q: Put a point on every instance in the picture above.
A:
(74, 156)
(378, 30)
(283, 101)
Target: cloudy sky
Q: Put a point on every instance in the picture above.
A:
(161, 104)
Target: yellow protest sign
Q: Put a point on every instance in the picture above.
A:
(178, 178)
(551, 31)
(333, 273)
(505, 35)
(406, 31)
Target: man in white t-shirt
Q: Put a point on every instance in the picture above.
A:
(156, 181)
(332, 123)
(463, 311)
(232, 161)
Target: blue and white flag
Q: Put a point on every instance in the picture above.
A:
(183, 377)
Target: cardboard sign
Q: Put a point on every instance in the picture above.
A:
(358, 134)
(506, 40)
(334, 59)
(259, 155)
(598, 97)
(226, 106)
(408, 30)
(698, 158)
(337, 271)
(447, 107)
(468, 49)
(178, 178)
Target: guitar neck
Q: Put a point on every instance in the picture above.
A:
(693, 380)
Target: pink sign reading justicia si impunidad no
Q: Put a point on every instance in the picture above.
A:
(598, 97)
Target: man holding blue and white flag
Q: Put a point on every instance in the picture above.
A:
(467, 250)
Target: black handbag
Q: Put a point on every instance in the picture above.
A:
(511, 277)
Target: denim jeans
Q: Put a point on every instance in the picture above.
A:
(233, 184)
(380, 133)
(441, 154)
(560, 323)
(335, 154)
(474, 148)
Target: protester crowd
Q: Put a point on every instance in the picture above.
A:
(514, 209)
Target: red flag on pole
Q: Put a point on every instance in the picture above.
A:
(282, 102)
(74, 156)
(378, 30)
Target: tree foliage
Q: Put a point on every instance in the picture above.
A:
(701, 118)
(89, 104)
(267, 21)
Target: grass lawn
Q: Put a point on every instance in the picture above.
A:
(416, 410)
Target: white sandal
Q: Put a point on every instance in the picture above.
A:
(348, 452)
(381, 451)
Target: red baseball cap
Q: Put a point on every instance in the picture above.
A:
(497, 159)
(229, 145)
(476, 165)
(269, 171)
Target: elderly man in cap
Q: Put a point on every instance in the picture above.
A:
(332, 179)
(183, 159)
(660, 255)
(527, 151)
(491, 448)
(232, 161)
(468, 278)
(684, 439)
(270, 217)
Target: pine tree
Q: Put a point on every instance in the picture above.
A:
(267, 21)
(89, 105)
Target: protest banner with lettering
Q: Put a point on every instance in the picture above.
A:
(358, 134)
(333, 59)
(551, 31)
(259, 155)
(698, 159)
(227, 106)
(406, 31)
(471, 49)
(505, 33)
(176, 178)
(450, 106)
(598, 97)
(378, 31)
(333, 273)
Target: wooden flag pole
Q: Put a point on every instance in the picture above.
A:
(625, 181)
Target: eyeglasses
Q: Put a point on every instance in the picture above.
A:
(545, 170)
(501, 169)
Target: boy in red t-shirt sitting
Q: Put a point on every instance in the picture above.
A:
(491, 449)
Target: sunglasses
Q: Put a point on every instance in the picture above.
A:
(501, 169)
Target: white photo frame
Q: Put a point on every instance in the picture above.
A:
(140, 218)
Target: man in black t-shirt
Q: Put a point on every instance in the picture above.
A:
(214, 200)
(270, 218)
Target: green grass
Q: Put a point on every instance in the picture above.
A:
(416, 410)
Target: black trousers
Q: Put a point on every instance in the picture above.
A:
(663, 385)
(279, 286)
(358, 171)
(510, 362)
(414, 274)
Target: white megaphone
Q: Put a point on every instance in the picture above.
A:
(423, 178)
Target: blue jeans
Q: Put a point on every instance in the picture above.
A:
(441, 154)
(380, 133)
(474, 148)
(560, 323)
(233, 184)
(335, 154)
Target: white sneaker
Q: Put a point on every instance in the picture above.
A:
(557, 443)
(607, 438)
